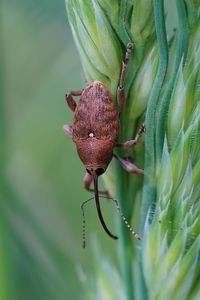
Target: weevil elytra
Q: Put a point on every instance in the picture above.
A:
(95, 132)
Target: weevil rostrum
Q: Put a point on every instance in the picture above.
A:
(95, 132)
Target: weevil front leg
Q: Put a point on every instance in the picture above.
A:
(70, 101)
(72, 105)
(128, 166)
(87, 180)
(131, 143)
(120, 92)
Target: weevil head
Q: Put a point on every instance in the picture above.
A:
(95, 155)
(95, 171)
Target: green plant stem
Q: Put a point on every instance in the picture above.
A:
(125, 248)
(149, 191)
(181, 50)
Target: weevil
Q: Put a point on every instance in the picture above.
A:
(95, 131)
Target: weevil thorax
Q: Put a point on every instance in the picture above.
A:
(96, 127)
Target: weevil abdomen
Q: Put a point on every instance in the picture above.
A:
(96, 115)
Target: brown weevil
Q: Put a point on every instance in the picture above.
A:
(95, 132)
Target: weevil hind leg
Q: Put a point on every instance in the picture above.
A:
(128, 165)
(120, 92)
(70, 101)
(68, 129)
(87, 180)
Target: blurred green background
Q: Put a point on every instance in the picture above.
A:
(41, 175)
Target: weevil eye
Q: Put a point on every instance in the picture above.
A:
(89, 171)
(99, 171)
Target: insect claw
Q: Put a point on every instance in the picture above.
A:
(137, 237)
(143, 128)
(130, 47)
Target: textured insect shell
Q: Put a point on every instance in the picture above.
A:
(96, 126)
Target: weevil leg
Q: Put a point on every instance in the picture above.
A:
(131, 143)
(128, 166)
(87, 180)
(120, 92)
(70, 101)
(68, 129)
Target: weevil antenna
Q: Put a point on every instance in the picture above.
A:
(124, 219)
(83, 222)
(133, 232)
(96, 191)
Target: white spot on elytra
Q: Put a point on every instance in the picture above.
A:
(91, 134)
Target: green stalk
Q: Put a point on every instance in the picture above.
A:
(149, 191)
(125, 245)
(181, 50)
